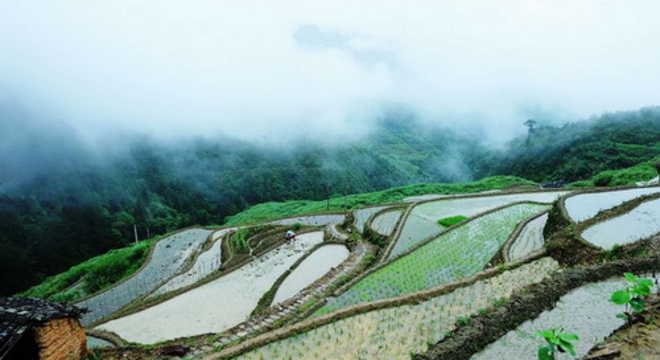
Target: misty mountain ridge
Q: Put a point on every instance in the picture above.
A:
(62, 201)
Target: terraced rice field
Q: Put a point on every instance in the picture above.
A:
(168, 257)
(385, 223)
(529, 240)
(311, 269)
(312, 220)
(362, 215)
(421, 223)
(454, 255)
(585, 311)
(445, 196)
(215, 306)
(640, 223)
(585, 206)
(381, 334)
(205, 264)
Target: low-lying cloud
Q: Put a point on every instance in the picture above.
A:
(322, 69)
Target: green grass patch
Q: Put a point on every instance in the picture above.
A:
(92, 275)
(275, 210)
(629, 176)
(452, 220)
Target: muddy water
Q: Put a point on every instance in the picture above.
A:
(385, 223)
(98, 343)
(362, 215)
(529, 240)
(640, 223)
(584, 207)
(585, 311)
(314, 267)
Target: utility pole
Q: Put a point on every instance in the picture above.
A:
(135, 232)
(327, 194)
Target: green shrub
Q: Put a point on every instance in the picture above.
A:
(633, 295)
(603, 179)
(452, 220)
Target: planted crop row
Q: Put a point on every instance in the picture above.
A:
(422, 221)
(382, 334)
(454, 255)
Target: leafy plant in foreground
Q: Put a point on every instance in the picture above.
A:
(633, 295)
(557, 342)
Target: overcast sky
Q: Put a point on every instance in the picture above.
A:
(256, 69)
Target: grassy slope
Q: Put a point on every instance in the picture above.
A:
(629, 176)
(274, 210)
(96, 274)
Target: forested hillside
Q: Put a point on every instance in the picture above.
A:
(61, 204)
(579, 150)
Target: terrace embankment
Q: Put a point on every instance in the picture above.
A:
(634, 341)
(485, 328)
(564, 240)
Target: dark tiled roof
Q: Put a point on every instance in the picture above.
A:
(17, 315)
(10, 333)
(34, 311)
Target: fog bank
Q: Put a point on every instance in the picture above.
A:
(322, 70)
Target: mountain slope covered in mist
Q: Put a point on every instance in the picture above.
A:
(578, 150)
(61, 203)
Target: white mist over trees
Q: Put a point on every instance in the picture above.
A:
(287, 70)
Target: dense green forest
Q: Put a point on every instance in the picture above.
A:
(62, 203)
(578, 150)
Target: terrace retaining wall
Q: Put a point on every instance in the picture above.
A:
(564, 236)
(486, 328)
